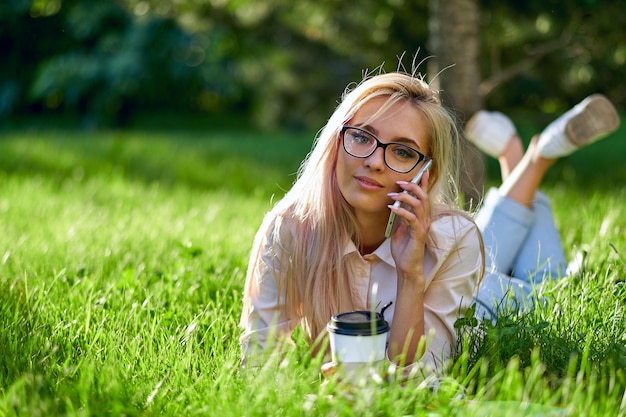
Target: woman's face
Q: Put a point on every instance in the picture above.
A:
(365, 182)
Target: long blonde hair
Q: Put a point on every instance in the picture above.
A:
(309, 228)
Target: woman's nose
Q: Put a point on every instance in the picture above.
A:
(376, 160)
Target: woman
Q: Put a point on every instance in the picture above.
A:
(523, 245)
(322, 249)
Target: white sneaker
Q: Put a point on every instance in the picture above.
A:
(490, 131)
(590, 120)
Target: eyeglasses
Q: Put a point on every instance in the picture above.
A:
(398, 157)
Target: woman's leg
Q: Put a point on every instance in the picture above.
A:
(507, 217)
(506, 225)
(499, 292)
(517, 223)
(522, 183)
(511, 155)
(541, 256)
(541, 253)
(523, 246)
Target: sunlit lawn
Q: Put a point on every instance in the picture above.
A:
(122, 262)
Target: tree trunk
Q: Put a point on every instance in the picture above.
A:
(454, 69)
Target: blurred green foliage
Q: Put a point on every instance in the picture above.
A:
(106, 63)
(282, 61)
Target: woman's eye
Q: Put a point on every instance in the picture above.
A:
(404, 152)
(360, 138)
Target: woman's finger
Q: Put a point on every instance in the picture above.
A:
(329, 369)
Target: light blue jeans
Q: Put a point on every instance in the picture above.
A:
(522, 249)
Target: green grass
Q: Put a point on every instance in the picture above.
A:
(122, 262)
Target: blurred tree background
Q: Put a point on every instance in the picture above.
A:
(284, 63)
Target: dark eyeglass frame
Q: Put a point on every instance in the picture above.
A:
(380, 144)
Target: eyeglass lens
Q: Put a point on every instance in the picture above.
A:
(362, 144)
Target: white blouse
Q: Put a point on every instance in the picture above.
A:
(451, 267)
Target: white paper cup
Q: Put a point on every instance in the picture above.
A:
(358, 339)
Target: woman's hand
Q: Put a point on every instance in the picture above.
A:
(409, 238)
(408, 243)
(329, 369)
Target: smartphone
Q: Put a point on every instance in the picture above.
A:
(415, 180)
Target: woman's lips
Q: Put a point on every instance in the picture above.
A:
(368, 183)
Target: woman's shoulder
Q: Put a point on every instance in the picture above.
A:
(279, 226)
(452, 221)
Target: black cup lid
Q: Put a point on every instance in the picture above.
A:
(358, 323)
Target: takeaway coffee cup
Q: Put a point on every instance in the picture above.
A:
(358, 339)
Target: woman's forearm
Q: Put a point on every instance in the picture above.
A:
(407, 329)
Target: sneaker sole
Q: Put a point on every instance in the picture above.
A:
(598, 119)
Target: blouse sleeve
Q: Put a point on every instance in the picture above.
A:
(263, 319)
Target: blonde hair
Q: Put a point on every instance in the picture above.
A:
(311, 225)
